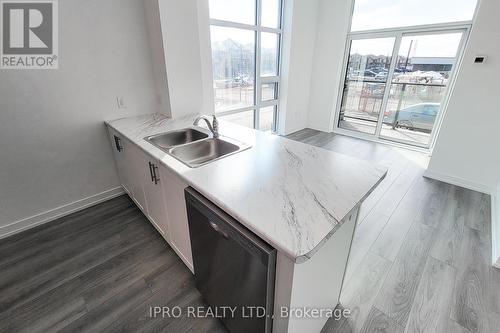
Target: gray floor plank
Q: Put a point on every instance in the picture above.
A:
(360, 291)
(56, 231)
(433, 205)
(117, 274)
(377, 194)
(494, 304)
(377, 321)
(366, 233)
(398, 291)
(480, 212)
(112, 310)
(431, 307)
(451, 228)
(472, 286)
(454, 327)
(94, 251)
(61, 251)
(390, 240)
(393, 196)
(49, 312)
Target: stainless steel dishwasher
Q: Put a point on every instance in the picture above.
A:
(233, 267)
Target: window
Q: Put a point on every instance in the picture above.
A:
(397, 79)
(246, 41)
(382, 14)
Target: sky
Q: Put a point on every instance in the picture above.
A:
(378, 14)
(435, 45)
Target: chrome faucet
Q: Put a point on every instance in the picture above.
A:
(213, 127)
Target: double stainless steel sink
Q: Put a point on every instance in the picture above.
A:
(194, 147)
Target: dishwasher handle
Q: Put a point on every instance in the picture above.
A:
(217, 229)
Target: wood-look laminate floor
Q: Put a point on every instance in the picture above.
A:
(420, 262)
(98, 270)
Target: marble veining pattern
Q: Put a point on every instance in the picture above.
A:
(291, 194)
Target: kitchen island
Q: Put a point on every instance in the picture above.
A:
(300, 199)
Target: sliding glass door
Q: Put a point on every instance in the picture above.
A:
(365, 83)
(396, 84)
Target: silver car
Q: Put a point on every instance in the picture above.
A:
(420, 116)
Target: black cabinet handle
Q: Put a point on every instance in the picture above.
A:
(156, 179)
(117, 143)
(151, 171)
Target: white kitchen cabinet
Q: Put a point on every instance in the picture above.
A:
(155, 202)
(119, 146)
(175, 203)
(156, 191)
(136, 168)
(130, 168)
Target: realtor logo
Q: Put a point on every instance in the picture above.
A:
(29, 34)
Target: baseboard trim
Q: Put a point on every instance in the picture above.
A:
(459, 182)
(50, 215)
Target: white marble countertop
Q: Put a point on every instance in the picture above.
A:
(292, 195)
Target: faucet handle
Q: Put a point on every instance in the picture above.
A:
(215, 124)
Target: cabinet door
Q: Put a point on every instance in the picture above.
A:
(173, 190)
(155, 201)
(118, 147)
(134, 162)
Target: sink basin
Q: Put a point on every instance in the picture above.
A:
(195, 147)
(177, 137)
(205, 151)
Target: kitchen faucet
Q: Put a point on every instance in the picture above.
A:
(213, 127)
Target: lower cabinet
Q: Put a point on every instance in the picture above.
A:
(153, 193)
(136, 170)
(157, 192)
(120, 147)
(173, 190)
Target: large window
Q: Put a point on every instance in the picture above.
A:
(382, 14)
(245, 39)
(397, 77)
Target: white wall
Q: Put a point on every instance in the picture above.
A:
(152, 12)
(313, 49)
(54, 148)
(188, 77)
(299, 34)
(466, 151)
(333, 25)
(206, 57)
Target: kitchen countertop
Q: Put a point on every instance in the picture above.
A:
(292, 195)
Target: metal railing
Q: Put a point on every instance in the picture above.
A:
(402, 87)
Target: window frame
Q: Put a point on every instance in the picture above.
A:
(258, 79)
(463, 27)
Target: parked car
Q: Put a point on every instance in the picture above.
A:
(369, 73)
(420, 116)
(381, 76)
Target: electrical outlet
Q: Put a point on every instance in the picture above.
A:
(120, 101)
